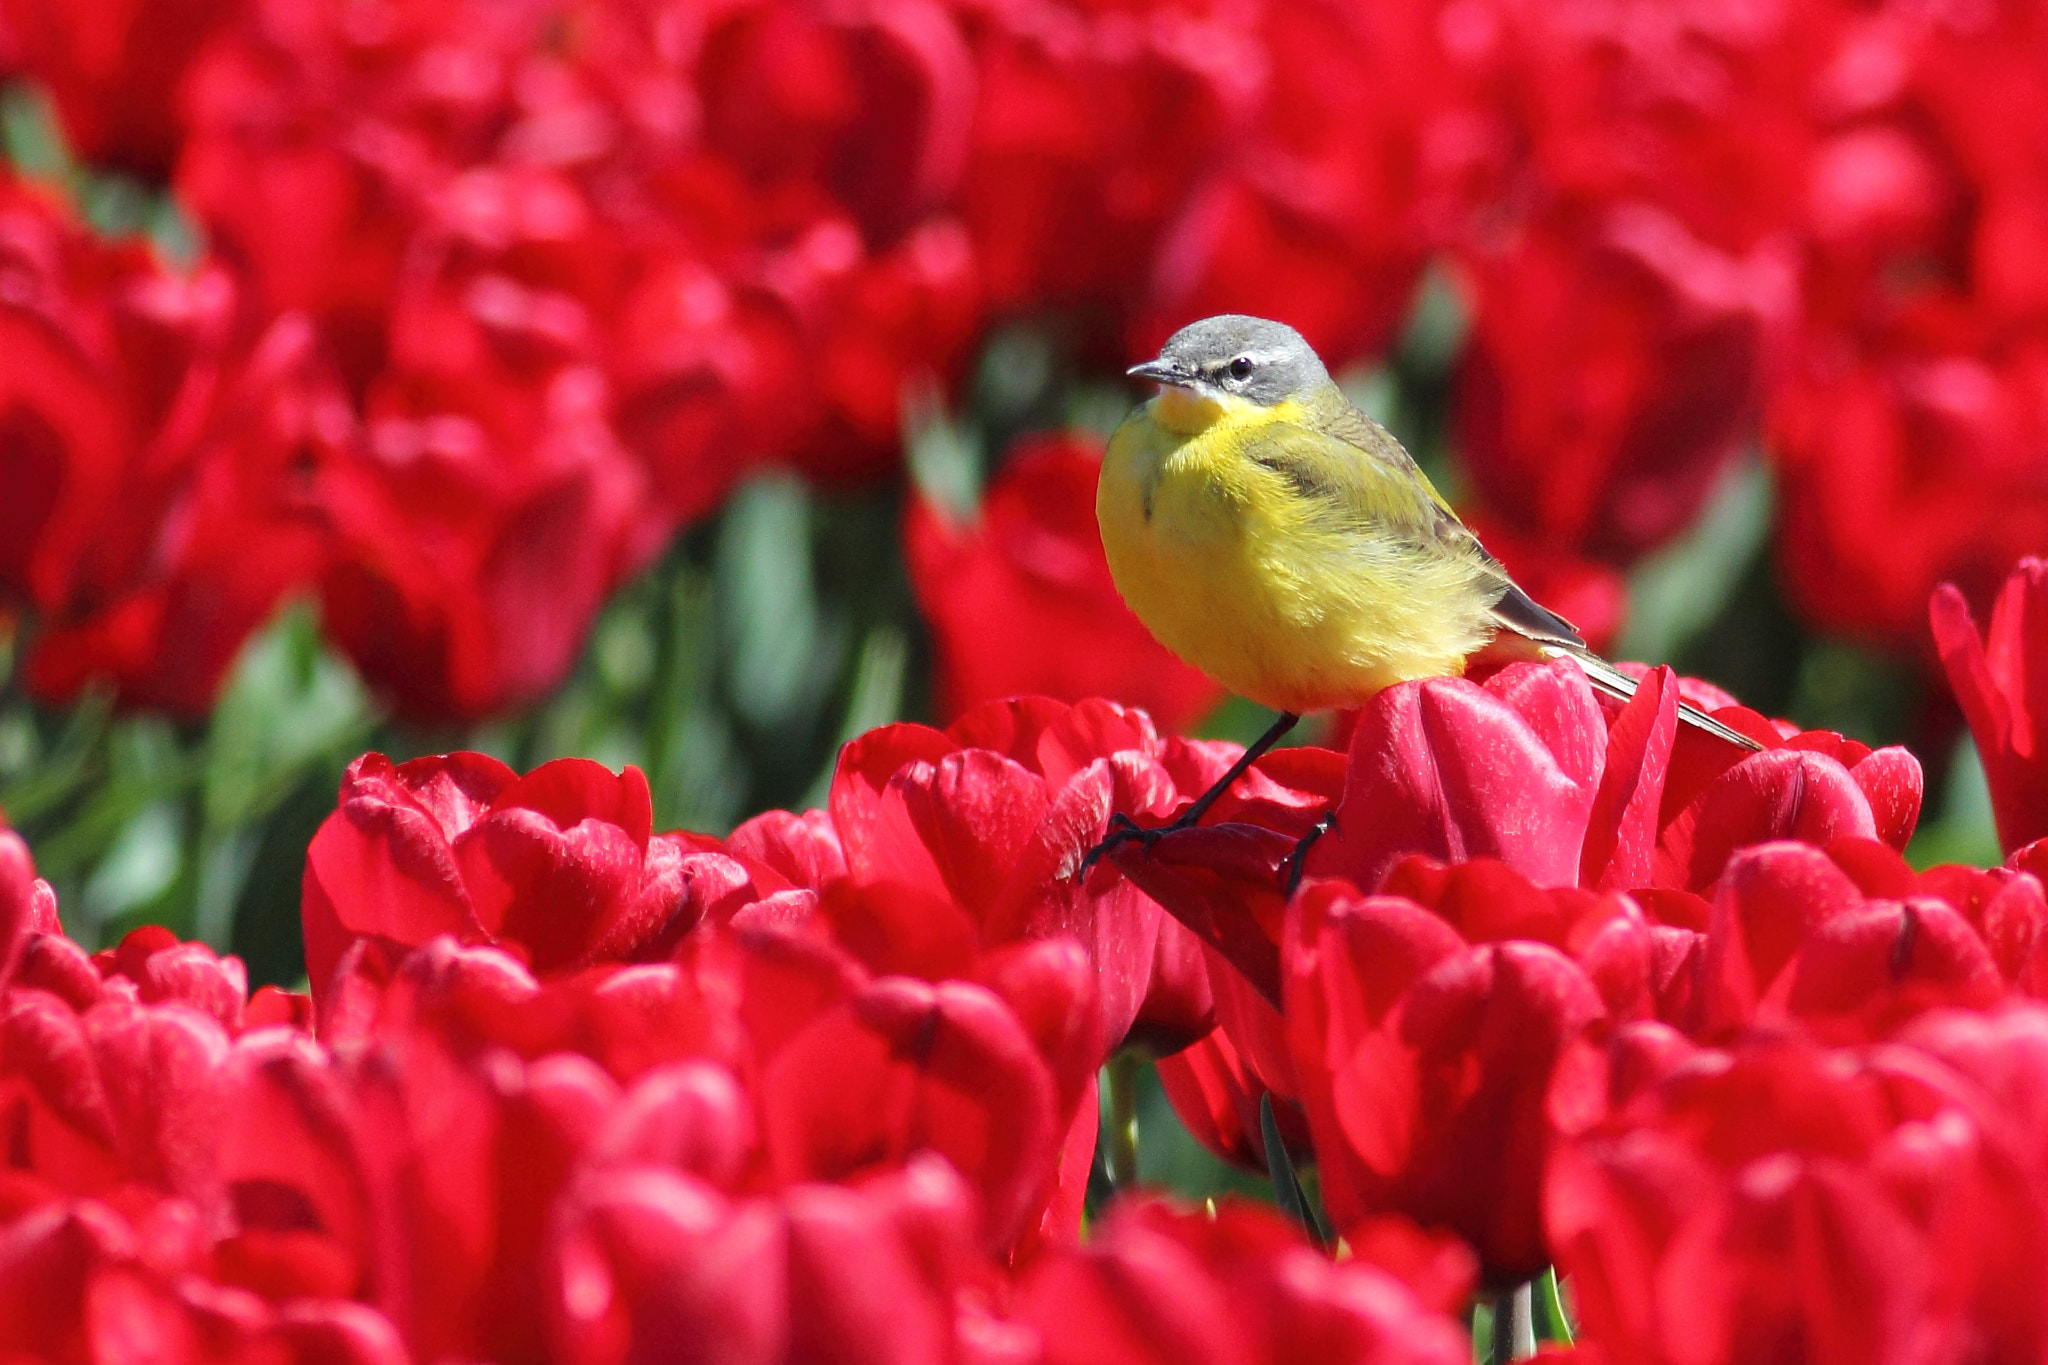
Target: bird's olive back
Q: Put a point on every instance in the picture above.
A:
(1253, 358)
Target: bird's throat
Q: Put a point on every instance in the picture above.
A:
(1188, 413)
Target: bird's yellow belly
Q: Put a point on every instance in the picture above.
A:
(1232, 572)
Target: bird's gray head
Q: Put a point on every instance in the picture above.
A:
(1234, 356)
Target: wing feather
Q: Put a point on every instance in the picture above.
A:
(1524, 615)
(1423, 513)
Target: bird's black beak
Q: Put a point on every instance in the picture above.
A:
(1161, 371)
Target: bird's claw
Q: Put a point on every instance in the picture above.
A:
(1295, 863)
(1122, 830)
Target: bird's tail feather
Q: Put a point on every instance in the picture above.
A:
(1611, 681)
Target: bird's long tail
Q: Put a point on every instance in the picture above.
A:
(1611, 681)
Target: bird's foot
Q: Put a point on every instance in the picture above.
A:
(1292, 867)
(1123, 830)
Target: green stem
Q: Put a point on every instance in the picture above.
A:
(1120, 1079)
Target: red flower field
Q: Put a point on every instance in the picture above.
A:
(559, 688)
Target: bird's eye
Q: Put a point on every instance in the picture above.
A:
(1241, 368)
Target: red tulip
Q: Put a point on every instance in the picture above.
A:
(1610, 438)
(79, 1281)
(113, 74)
(1423, 1063)
(1324, 209)
(1527, 769)
(959, 841)
(198, 556)
(1020, 599)
(1905, 439)
(903, 1067)
(28, 907)
(292, 105)
(1240, 1286)
(646, 1262)
(990, 1073)
(151, 965)
(1998, 679)
(1341, 271)
(1781, 1197)
(404, 1177)
(762, 324)
(691, 1116)
(1080, 151)
(1607, 934)
(471, 557)
(1456, 770)
(1852, 933)
(159, 460)
(461, 845)
(873, 106)
(1791, 792)
(119, 1092)
(1904, 465)
(901, 316)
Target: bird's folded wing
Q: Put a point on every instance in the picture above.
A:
(1515, 610)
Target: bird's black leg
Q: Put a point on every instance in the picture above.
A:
(1123, 829)
(1291, 870)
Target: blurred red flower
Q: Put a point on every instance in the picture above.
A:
(1908, 462)
(644, 1258)
(1087, 134)
(83, 1280)
(1315, 207)
(198, 558)
(871, 105)
(1612, 369)
(317, 143)
(1909, 432)
(112, 71)
(163, 462)
(470, 558)
(1159, 1284)
(1020, 601)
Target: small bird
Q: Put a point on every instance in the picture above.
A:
(1283, 542)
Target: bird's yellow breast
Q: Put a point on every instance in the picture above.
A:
(1278, 561)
